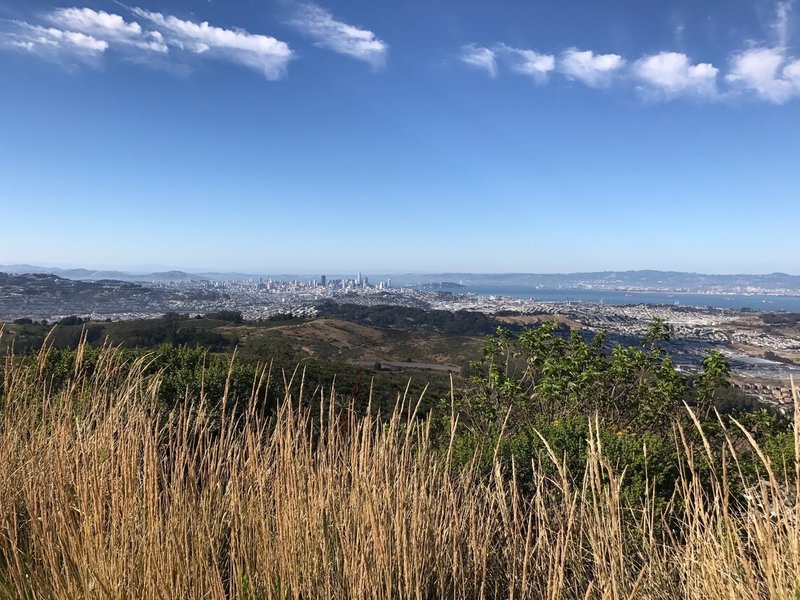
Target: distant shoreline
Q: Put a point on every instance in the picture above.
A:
(738, 301)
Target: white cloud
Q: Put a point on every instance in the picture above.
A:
(260, 52)
(595, 70)
(76, 39)
(25, 45)
(671, 74)
(791, 72)
(51, 41)
(84, 31)
(319, 24)
(480, 58)
(528, 62)
(768, 72)
(107, 26)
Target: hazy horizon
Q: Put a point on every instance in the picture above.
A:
(156, 268)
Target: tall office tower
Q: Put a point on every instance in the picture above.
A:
(388, 282)
(323, 281)
(358, 279)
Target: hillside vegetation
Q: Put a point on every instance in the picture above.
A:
(558, 470)
(359, 357)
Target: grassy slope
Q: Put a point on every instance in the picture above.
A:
(343, 341)
(326, 339)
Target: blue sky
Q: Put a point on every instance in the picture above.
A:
(422, 135)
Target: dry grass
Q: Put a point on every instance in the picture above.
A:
(100, 497)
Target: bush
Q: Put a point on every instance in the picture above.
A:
(71, 320)
(541, 384)
(232, 316)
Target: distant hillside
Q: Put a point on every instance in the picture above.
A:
(94, 275)
(43, 294)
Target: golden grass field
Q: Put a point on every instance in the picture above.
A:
(103, 496)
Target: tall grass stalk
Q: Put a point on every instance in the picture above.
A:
(103, 496)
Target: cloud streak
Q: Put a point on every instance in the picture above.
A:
(481, 58)
(327, 32)
(36, 37)
(518, 60)
(261, 52)
(782, 22)
(109, 27)
(86, 32)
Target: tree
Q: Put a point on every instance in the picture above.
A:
(716, 374)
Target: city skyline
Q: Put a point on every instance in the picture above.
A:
(281, 136)
(649, 278)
